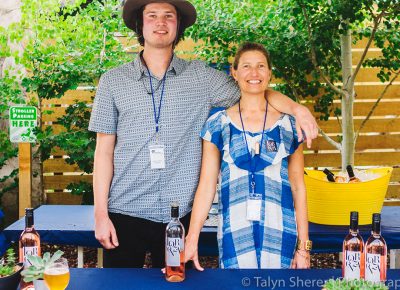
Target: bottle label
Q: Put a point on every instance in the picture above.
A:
(352, 265)
(174, 246)
(373, 267)
(29, 251)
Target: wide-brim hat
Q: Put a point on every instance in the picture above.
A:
(131, 8)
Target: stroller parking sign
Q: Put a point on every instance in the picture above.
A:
(23, 121)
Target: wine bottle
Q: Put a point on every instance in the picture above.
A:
(332, 178)
(29, 241)
(29, 244)
(353, 244)
(375, 253)
(352, 177)
(175, 248)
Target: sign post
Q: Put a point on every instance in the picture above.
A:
(25, 177)
(23, 121)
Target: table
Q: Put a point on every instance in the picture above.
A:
(61, 225)
(142, 279)
(71, 225)
(74, 225)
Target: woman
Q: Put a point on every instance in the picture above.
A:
(262, 205)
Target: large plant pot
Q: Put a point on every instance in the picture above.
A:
(330, 203)
(11, 282)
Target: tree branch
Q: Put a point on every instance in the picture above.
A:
(377, 21)
(376, 104)
(395, 10)
(330, 140)
(314, 56)
(370, 11)
(103, 50)
(340, 123)
(2, 59)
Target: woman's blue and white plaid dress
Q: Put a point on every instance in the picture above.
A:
(269, 243)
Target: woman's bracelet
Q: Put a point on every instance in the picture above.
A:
(304, 245)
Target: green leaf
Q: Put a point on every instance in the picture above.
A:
(57, 255)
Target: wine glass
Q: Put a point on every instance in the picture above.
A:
(56, 276)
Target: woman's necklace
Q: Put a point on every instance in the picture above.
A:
(257, 146)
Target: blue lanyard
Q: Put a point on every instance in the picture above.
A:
(253, 164)
(157, 115)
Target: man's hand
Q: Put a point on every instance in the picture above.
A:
(105, 233)
(191, 253)
(306, 122)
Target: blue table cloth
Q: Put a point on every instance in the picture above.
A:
(60, 224)
(74, 225)
(142, 279)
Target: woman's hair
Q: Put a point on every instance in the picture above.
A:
(139, 27)
(251, 46)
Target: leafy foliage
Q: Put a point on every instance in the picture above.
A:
(65, 46)
(7, 264)
(77, 140)
(10, 93)
(341, 284)
(280, 26)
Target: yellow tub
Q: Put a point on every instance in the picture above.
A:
(330, 203)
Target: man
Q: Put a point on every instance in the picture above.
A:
(148, 115)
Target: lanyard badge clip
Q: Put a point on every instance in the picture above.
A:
(157, 151)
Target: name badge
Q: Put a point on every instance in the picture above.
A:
(271, 146)
(254, 207)
(157, 156)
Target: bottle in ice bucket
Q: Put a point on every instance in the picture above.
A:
(352, 177)
(375, 253)
(353, 244)
(332, 178)
(175, 248)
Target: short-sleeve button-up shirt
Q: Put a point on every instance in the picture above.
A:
(123, 106)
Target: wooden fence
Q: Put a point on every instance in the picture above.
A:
(377, 145)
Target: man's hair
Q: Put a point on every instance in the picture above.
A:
(139, 27)
(251, 46)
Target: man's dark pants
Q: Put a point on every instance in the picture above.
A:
(136, 236)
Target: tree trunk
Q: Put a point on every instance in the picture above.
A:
(348, 142)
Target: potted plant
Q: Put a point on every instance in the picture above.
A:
(339, 283)
(10, 271)
(34, 273)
